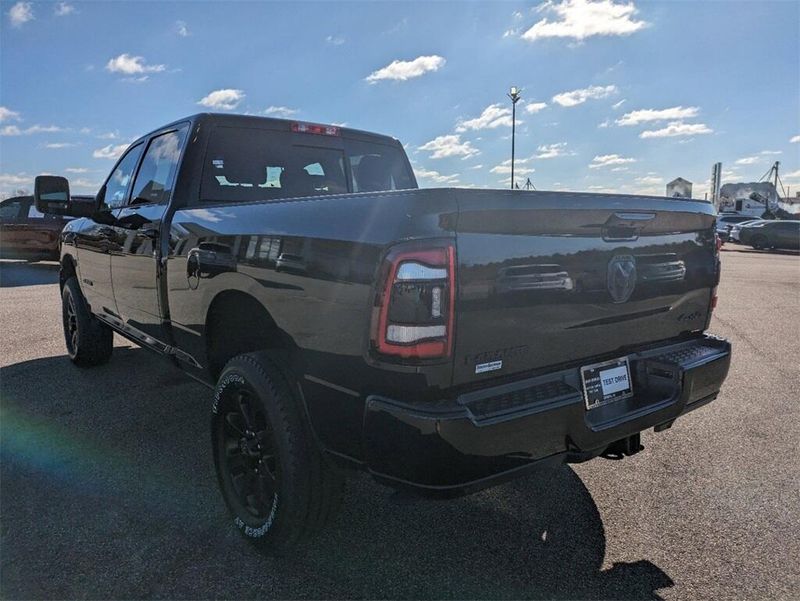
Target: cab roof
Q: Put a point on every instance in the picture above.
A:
(256, 122)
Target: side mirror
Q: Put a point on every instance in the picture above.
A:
(51, 194)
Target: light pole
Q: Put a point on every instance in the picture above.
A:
(515, 94)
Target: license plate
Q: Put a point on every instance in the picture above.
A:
(606, 382)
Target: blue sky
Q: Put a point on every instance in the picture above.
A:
(617, 96)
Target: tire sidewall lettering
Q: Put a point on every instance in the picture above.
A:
(264, 528)
(223, 384)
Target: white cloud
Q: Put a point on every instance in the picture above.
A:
(20, 13)
(551, 151)
(508, 33)
(7, 114)
(581, 19)
(794, 139)
(18, 179)
(479, 166)
(748, 161)
(504, 168)
(449, 146)
(280, 111)
(110, 152)
(792, 177)
(435, 176)
(616, 105)
(650, 180)
(494, 115)
(132, 65)
(604, 124)
(110, 135)
(76, 170)
(534, 107)
(677, 128)
(182, 29)
(13, 130)
(768, 152)
(62, 9)
(576, 97)
(605, 160)
(226, 99)
(674, 113)
(335, 40)
(59, 144)
(402, 70)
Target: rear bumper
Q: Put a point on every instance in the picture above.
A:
(469, 442)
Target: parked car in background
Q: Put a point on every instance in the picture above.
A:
(733, 230)
(26, 233)
(726, 219)
(771, 234)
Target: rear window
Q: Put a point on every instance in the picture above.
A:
(245, 164)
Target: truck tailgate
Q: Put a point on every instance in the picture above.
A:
(546, 278)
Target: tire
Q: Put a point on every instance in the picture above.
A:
(276, 484)
(759, 242)
(89, 341)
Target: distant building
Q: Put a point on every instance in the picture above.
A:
(753, 198)
(679, 188)
(790, 205)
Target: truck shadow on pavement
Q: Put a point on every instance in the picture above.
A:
(109, 492)
(22, 273)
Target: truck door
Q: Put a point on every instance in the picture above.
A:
(135, 268)
(95, 240)
(10, 222)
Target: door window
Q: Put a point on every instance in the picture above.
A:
(156, 176)
(9, 210)
(117, 184)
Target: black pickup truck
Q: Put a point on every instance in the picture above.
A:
(441, 339)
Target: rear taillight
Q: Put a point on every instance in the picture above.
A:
(412, 315)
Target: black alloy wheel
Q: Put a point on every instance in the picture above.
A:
(247, 455)
(274, 480)
(89, 341)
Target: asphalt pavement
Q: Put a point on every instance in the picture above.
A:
(107, 488)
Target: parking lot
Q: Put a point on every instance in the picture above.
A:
(108, 489)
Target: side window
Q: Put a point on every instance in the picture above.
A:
(377, 167)
(117, 184)
(245, 164)
(9, 210)
(156, 176)
(34, 213)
